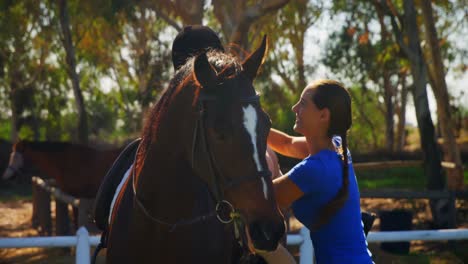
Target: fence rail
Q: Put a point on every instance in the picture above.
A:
(56, 192)
(397, 164)
(409, 194)
(43, 192)
(83, 241)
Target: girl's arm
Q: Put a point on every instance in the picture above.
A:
(286, 191)
(294, 147)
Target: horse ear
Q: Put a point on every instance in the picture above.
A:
(204, 73)
(253, 62)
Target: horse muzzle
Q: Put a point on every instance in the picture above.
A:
(265, 235)
(9, 172)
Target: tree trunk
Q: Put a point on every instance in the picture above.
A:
(439, 86)
(14, 113)
(16, 78)
(426, 127)
(432, 160)
(71, 70)
(189, 11)
(389, 111)
(388, 91)
(236, 17)
(194, 11)
(301, 80)
(401, 133)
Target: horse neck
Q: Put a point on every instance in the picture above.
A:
(166, 174)
(46, 162)
(170, 188)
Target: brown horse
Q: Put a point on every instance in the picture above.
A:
(77, 169)
(200, 190)
(5, 148)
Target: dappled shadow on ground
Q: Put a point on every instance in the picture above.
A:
(15, 221)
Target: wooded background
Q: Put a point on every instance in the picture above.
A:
(86, 71)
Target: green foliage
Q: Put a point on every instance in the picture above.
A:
(126, 43)
(5, 128)
(366, 132)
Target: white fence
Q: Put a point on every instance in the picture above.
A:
(83, 241)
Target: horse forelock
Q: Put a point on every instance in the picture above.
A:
(227, 66)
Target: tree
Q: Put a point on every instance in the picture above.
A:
(190, 12)
(286, 59)
(366, 127)
(145, 68)
(400, 109)
(436, 72)
(406, 28)
(369, 59)
(69, 47)
(387, 87)
(237, 17)
(23, 52)
(287, 48)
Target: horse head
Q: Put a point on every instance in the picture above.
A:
(229, 146)
(16, 162)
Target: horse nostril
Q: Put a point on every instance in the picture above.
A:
(265, 233)
(255, 231)
(8, 173)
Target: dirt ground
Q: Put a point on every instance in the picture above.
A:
(15, 221)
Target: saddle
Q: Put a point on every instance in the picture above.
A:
(368, 221)
(110, 182)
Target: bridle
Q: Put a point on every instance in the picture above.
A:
(200, 134)
(219, 183)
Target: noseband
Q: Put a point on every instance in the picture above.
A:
(224, 210)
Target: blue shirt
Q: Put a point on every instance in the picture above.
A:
(319, 177)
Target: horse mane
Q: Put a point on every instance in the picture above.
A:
(225, 64)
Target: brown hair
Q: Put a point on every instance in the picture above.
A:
(333, 96)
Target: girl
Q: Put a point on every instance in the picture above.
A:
(322, 189)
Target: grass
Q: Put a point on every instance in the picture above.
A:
(400, 178)
(11, 191)
(465, 173)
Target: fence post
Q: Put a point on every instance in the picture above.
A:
(62, 219)
(452, 210)
(43, 211)
(35, 197)
(82, 247)
(84, 212)
(306, 249)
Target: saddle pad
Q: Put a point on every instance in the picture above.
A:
(110, 183)
(117, 191)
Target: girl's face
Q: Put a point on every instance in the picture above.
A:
(310, 121)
